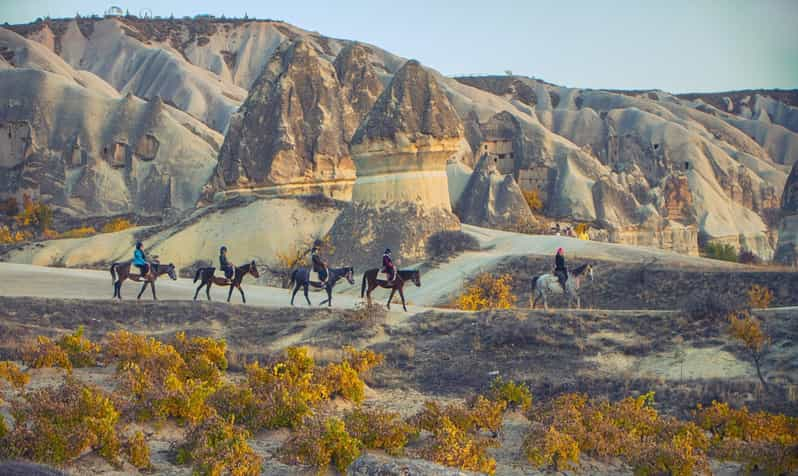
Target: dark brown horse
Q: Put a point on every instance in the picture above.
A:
(208, 278)
(402, 276)
(122, 270)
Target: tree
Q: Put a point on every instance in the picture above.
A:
(747, 330)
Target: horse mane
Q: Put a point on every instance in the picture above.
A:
(579, 269)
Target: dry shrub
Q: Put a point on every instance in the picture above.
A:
(9, 206)
(759, 297)
(720, 251)
(532, 198)
(10, 372)
(138, 452)
(321, 442)
(630, 429)
(284, 394)
(157, 382)
(488, 292)
(378, 429)
(453, 446)
(445, 244)
(9, 236)
(81, 232)
(117, 224)
(81, 351)
(56, 424)
(44, 352)
(711, 306)
(204, 357)
(514, 395)
(366, 314)
(35, 215)
(216, 446)
(456, 439)
(761, 440)
(748, 257)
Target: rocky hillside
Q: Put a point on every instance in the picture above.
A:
(647, 167)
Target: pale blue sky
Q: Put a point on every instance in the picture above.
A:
(675, 45)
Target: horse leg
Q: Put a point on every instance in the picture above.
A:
(198, 290)
(305, 289)
(152, 288)
(329, 297)
(393, 290)
(230, 293)
(368, 294)
(243, 298)
(296, 288)
(402, 295)
(208, 290)
(143, 287)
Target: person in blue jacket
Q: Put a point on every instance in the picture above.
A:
(140, 260)
(224, 264)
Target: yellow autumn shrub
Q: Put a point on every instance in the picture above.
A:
(216, 446)
(378, 429)
(57, 424)
(44, 352)
(138, 452)
(759, 297)
(488, 292)
(81, 232)
(11, 373)
(322, 442)
(515, 395)
(453, 446)
(117, 224)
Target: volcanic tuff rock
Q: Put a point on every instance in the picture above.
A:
(296, 123)
(787, 249)
(492, 199)
(374, 465)
(88, 150)
(401, 148)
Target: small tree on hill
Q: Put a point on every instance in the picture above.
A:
(747, 330)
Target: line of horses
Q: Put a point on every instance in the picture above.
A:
(300, 279)
(542, 286)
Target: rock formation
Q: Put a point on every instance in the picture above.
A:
(493, 200)
(374, 465)
(787, 249)
(401, 194)
(401, 148)
(297, 121)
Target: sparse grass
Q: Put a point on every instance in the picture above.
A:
(445, 244)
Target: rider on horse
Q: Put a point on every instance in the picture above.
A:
(224, 263)
(318, 264)
(388, 266)
(140, 260)
(559, 267)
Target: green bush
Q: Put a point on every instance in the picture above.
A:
(720, 251)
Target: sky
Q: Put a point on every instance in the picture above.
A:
(677, 46)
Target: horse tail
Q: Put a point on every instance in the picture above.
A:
(363, 286)
(534, 282)
(197, 274)
(113, 272)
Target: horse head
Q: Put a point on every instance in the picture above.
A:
(253, 269)
(350, 274)
(170, 270)
(416, 277)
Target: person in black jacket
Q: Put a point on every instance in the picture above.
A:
(224, 263)
(559, 267)
(319, 265)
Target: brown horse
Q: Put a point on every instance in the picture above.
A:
(208, 278)
(402, 276)
(122, 270)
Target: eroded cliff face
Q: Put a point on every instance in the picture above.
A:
(401, 147)
(298, 119)
(787, 249)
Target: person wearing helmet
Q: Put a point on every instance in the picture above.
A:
(140, 259)
(388, 266)
(559, 267)
(224, 263)
(318, 264)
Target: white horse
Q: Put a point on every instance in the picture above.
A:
(548, 283)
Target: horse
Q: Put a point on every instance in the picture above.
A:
(402, 276)
(122, 269)
(549, 284)
(300, 278)
(208, 278)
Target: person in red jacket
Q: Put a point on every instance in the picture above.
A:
(388, 266)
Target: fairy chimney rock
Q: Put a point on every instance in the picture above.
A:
(401, 147)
